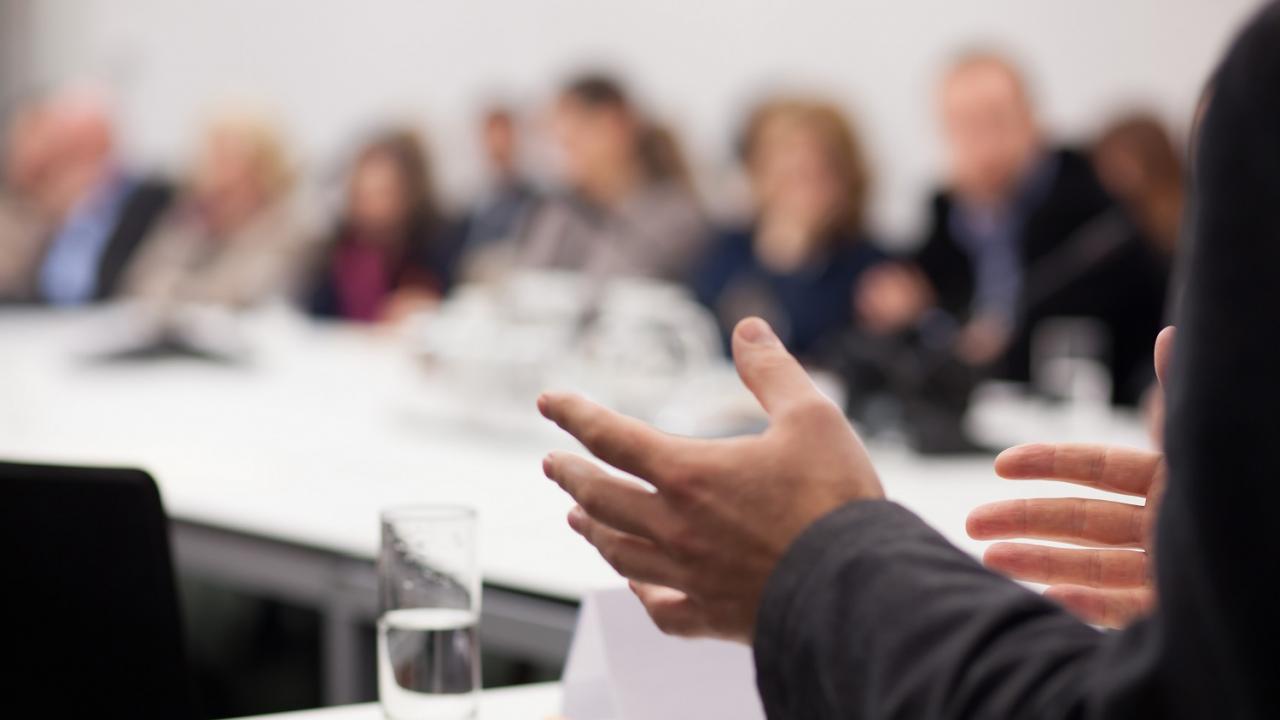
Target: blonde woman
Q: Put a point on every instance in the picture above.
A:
(233, 239)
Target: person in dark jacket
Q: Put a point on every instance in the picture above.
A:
(856, 608)
(1010, 202)
(392, 252)
(1116, 269)
(799, 261)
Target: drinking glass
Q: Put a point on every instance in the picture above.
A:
(429, 589)
(1069, 364)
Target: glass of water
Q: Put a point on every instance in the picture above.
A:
(429, 588)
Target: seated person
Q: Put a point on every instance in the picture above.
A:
(1010, 202)
(797, 264)
(232, 239)
(99, 212)
(391, 252)
(26, 153)
(626, 211)
(498, 219)
(1116, 269)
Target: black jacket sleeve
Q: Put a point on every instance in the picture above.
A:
(871, 614)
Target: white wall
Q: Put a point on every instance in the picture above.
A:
(334, 67)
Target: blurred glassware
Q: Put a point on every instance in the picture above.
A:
(628, 343)
(1069, 364)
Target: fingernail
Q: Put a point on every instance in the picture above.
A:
(543, 404)
(576, 518)
(547, 462)
(756, 331)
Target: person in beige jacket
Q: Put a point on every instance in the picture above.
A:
(233, 239)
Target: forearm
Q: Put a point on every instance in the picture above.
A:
(873, 614)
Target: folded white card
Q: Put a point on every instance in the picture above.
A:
(622, 668)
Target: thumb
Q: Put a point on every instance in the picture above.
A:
(1164, 354)
(767, 369)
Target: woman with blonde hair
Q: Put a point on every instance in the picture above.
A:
(233, 238)
(798, 261)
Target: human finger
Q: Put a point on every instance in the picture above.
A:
(1053, 566)
(1105, 467)
(1074, 520)
(771, 373)
(1164, 354)
(620, 503)
(634, 558)
(621, 441)
(1108, 608)
(671, 610)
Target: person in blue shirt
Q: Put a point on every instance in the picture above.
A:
(99, 214)
(798, 262)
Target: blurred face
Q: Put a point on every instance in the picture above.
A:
(378, 201)
(596, 144)
(71, 152)
(227, 167)
(500, 143)
(26, 151)
(794, 177)
(990, 133)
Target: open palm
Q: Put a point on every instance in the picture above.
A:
(1107, 579)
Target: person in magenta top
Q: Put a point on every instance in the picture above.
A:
(392, 251)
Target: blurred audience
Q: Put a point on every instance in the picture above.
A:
(798, 262)
(628, 209)
(26, 154)
(499, 217)
(1116, 269)
(392, 251)
(232, 238)
(97, 211)
(1022, 233)
(1011, 200)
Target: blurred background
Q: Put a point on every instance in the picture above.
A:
(306, 260)
(332, 71)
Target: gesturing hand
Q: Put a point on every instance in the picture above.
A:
(699, 546)
(1101, 582)
(1108, 586)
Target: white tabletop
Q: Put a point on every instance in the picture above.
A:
(524, 702)
(333, 424)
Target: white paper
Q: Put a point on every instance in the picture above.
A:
(621, 667)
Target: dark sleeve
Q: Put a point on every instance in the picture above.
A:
(871, 614)
(141, 212)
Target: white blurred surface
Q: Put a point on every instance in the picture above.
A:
(331, 424)
(525, 702)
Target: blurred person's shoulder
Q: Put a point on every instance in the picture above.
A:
(1074, 193)
(153, 191)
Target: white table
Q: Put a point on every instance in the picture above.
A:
(275, 473)
(525, 702)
